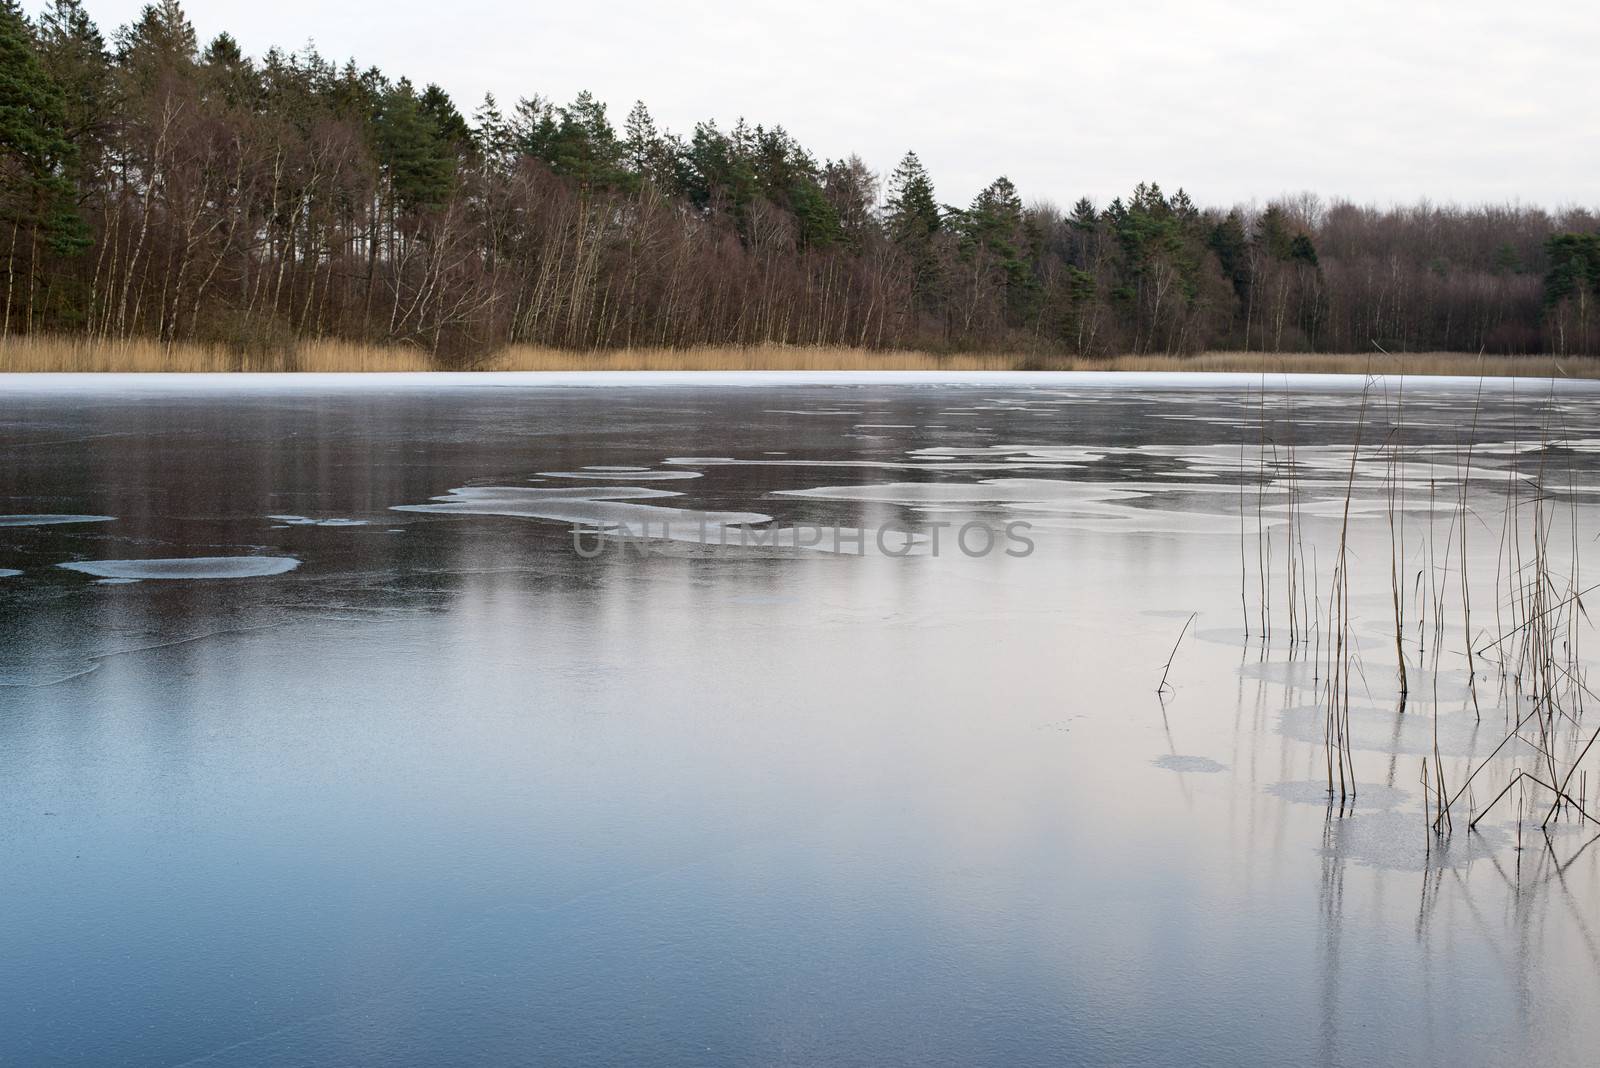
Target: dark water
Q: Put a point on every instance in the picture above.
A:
(449, 792)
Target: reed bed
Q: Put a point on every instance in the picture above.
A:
(54, 353)
(60, 354)
(1539, 611)
(754, 358)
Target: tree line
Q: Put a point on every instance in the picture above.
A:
(152, 187)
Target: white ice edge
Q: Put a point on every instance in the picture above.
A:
(194, 567)
(12, 383)
(53, 520)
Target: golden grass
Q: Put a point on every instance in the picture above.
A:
(1411, 363)
(74, 354)
(804, 358)
(743, 358)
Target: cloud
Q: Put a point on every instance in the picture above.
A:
(1468, 102)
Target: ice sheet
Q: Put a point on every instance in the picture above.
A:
(304, 521)
(626, 474)
(595, 507)
(51, 520)
(197, 567)
(988, 491)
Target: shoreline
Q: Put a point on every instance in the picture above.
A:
(55, 355)
(41, 383)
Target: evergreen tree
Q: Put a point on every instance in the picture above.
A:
(448, 124)
(642, 146)
(73, 54)
(159, 42)
(496, 144)
(852, 189)
(994, 227)
(1232, 249)
(913, 221)
(586, 147)
(35, 153)
(718, 173)
(1574, 267)
(1302, 250)
(1272, 233)
(534, 128)
(228, 73)
(817, 223)
(913, 213)
(416, 154)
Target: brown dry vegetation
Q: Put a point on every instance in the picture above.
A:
(43, 354)
(74, 354)
(811, 358)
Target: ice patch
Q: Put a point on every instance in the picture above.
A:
(6, 572)
(52, 520)
(876, 465)
(1090, 517)
(1203, 765)
(592, 507)
(612, 510)
(1330, 508)
(198, 567)
(303, 521)
(623, 474)
(988, 491)
(1061, 454)
(812, 411)
(1315, 792)
(1390, 838)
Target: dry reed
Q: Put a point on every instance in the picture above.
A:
(45, 354)
(53, 353)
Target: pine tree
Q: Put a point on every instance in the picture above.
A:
(852, 189)
(641, 143)
(994, 227)
(447, 122)
(228, 73)
(1272, 233)
(718, 175)
(493, 135)
(419, 159)
(534, 127)
(1574, 267)
(913, 221)
(35, 153)
(12, 9)
(73, 54)
(1302, 250)
(160, 41)
(650, 155)
(913, 214)
(586, 147)
(1232, 250)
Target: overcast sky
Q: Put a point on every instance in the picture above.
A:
(1372, 101)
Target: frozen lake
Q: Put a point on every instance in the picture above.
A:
(324, 741)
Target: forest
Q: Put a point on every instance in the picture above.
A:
(154, 187)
